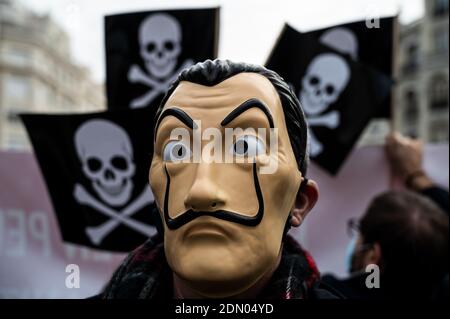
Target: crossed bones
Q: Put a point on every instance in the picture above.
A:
(330, 120)
(136, 75)
(97, 233)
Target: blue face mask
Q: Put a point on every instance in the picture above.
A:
(350, 250)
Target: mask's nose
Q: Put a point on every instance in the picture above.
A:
(204, 194)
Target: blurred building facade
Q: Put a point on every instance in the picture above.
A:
(420, 97)
(37, 73)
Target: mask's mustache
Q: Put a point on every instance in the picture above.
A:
(188, 216)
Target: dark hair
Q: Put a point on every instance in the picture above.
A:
(412, 232)
(210, 73)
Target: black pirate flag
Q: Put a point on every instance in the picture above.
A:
(145, 51)
(96, 170)
(365, 42)
(338, 95)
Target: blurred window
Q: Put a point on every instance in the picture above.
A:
(439, 132)
(13, 116)
(411, 107)
(17, 57)
(440, 38)
(440, 7)
(412, 58)
(438, 92)
(17, 91)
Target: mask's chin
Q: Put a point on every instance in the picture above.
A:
(217, 267)
(235, 282)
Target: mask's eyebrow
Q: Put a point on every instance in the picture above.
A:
(244, 107)
(179, 114)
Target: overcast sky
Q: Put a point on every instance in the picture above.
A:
(248, 31)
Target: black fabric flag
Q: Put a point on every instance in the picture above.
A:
(369, 43)
(339, 95)
(96, 170)
(145, 51)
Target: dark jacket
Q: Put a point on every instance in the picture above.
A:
(145, 274)
(438, 195)
(354, 287)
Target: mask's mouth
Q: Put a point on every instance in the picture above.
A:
(190, 215)
(208, 228)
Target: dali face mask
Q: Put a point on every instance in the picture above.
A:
(223, 219)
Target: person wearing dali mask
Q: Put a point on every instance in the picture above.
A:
(225, 223)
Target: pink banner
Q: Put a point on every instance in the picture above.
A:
(35, 263)
(33, 258)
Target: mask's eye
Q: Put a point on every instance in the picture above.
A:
(248, 146)
(176, 151)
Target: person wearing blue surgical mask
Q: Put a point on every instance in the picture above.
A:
(359, 254)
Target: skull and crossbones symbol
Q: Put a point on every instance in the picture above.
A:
(342, 40)
(160, 46)
(326, 77)
(106, 154)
